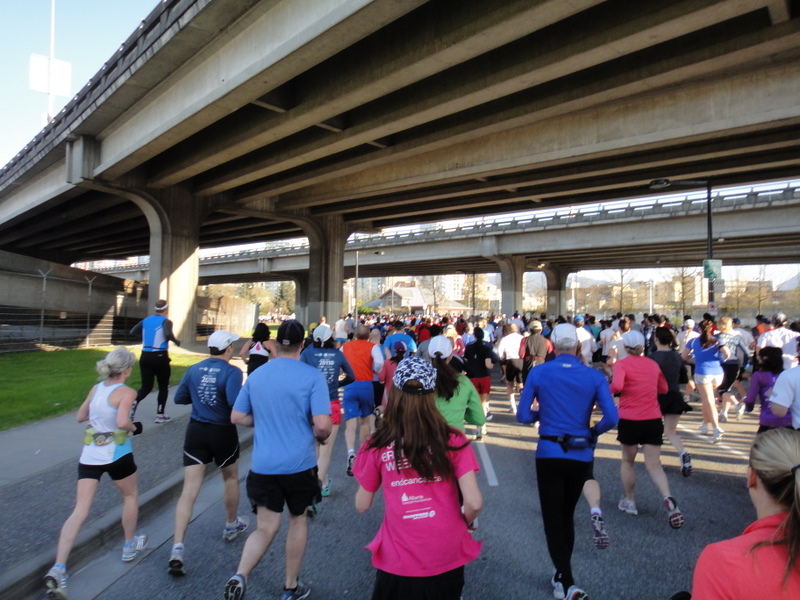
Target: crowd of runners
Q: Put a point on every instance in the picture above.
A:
(413, 392)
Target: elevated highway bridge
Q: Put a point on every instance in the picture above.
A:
(750, 227)
(224, 122)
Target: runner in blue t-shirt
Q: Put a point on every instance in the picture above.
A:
(324, 356)
(211, 387)
(287, 402)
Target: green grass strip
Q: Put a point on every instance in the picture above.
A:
(37, 385)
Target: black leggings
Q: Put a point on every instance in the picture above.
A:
(154, 365)
(560, 482)
(446, 586)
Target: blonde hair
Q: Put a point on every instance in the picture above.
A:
(115, 362)
(775, 458)
(725, 324)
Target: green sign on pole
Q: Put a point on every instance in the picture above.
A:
(712, 269)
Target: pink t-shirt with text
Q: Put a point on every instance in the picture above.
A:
(423, 531)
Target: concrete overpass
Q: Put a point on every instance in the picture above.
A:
(233, 121)
(750, 227)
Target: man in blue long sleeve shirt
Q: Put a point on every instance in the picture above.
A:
(324, 356)
(211, 387)
(566, 391)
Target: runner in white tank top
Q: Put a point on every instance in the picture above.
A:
(107, 449)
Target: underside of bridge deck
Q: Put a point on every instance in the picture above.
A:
(406, 112)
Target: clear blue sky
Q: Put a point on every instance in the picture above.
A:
(88, 32)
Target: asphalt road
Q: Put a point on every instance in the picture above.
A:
(645, 560)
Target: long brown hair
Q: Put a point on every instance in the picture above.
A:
(446, 377)
(418, 432)
(774, 457)
(707, 338)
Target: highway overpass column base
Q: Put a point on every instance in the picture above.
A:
(556, 289)
(326, 268)
(182, 265)
(512, 271)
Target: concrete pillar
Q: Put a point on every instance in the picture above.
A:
(326, 267)
(179, 264)
(512, 271)
(301, 299)
(556, 289)
(174, 218)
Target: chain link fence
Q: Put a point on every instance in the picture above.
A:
(66, 308)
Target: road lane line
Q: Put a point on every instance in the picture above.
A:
(491, 478)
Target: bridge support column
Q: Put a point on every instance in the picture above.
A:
(301, 299)
(179, 262)
(325, 268)
(512, 271)
(556, 289)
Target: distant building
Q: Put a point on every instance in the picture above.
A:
(410, 298)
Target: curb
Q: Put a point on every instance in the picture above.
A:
(24, 579)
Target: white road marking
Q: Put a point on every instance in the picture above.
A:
(491, 478)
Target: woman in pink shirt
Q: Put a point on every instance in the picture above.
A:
(763, 562)
(421, 464)
(638, 381)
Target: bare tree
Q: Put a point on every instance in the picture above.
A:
(686, 280)
(625, 278)
(763, 288)
(433, 283)
(473, 291)
(736, 291)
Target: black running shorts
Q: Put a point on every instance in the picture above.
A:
(119, 469)
(297, 491)
(639, 433)
(207, 441)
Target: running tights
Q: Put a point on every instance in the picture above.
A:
(560, 482)
(154, 365)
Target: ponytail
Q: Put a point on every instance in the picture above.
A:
(446, 377)
(706, 330)
(115, 362)
(775, 458)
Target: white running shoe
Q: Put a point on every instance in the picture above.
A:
(740, 410)
(239, 525)
(686, 464)
(176, 561)
(674, 514)
(130, 550)
(558, 587)
(576, 593)
(718, 433)
(627, 506)
(56, 583)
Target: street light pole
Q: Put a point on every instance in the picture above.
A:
(355, 289)
(474, 306)
(658, 184)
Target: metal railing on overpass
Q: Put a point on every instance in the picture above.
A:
(662, 207)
